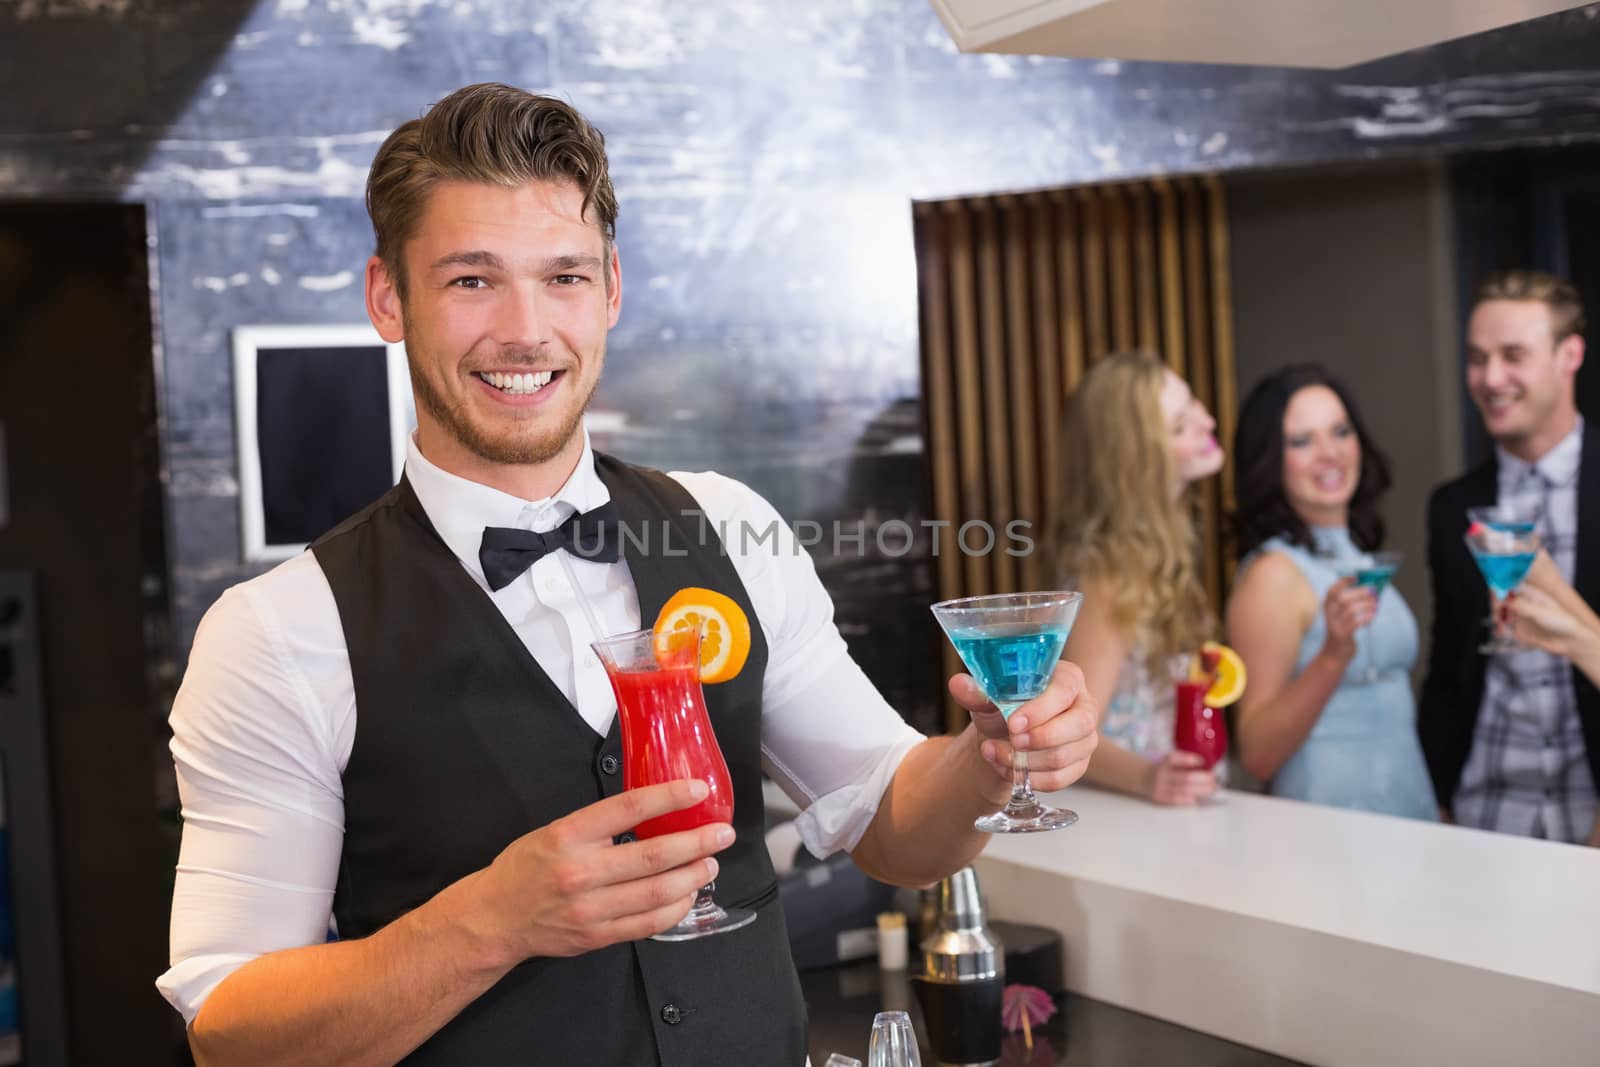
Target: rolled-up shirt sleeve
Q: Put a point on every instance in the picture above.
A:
(259, 780)
(829, 739)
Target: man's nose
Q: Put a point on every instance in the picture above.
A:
(1494, 373)
(522, 321)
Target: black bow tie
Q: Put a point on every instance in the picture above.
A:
(507, 552)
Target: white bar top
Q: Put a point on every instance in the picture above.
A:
(1252, 917)
(1508, 904)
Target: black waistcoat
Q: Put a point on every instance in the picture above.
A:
(463, 744)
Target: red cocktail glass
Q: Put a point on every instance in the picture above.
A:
(667, 735)
(1198, 727)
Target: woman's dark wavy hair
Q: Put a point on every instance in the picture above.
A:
(1262, 510)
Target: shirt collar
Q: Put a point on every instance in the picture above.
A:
(1559, 466)
(460, 508)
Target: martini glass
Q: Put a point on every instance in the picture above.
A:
(1011, 643)
(667, 735)
(1503, 542)
(1374, 571)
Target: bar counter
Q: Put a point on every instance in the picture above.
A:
(1322, 935)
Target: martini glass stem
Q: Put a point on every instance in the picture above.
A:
(1499, 625)
(1022, 798)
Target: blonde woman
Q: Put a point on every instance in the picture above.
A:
(1136, 440)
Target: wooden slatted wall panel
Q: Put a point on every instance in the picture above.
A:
(1018, 296)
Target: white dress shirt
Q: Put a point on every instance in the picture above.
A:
(266, 716)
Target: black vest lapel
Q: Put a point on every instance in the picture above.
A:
(491, 721)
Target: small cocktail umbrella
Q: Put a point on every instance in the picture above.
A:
(1023, 1007)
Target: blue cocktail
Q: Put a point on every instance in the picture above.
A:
(1012, 668)
(1504, 572)
(1011, 643)
(1503, 543)
(1372, 571)
(1376, 571)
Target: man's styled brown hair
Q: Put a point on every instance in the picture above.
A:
(1558, 294)
(485, 133)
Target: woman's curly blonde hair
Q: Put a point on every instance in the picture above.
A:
(1119, 524)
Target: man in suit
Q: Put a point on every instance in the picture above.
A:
(1513, 740)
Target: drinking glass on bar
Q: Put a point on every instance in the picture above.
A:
(893, 1042)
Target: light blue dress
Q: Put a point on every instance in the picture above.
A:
(1363, 752)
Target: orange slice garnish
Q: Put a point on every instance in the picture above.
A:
(724, 630)
(1229, 673)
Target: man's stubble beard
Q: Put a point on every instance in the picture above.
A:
(511, 449)
(1537, 415)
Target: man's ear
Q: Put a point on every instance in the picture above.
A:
(1570, 353)
(383, 302)
(614, 295)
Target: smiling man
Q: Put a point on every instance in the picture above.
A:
(1513, 740)
(398, 732)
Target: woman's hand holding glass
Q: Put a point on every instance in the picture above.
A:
(1347, 608)
(1179, 779)
(1538, 620)
(1548, 614)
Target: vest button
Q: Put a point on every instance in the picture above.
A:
(627, 838)
(671, 1015)
(609, 763)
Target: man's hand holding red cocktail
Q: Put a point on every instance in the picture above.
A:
(567, 888)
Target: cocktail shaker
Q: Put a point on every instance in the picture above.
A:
(963, 976)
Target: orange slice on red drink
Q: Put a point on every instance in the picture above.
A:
(724, 630)
(1226, 670)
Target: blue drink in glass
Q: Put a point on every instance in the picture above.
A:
(1503, 543)
(1011, 643)
(1373, 571)
(1375, 578)
(1503, 572)
(1011, 669)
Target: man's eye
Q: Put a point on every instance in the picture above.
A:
(470, 281)
(570, 279)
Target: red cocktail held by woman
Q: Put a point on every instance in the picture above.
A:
(1197, 727)
(1216, 680)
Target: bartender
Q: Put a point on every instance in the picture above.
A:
(404, 730)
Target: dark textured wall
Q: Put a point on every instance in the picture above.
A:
(765, 156)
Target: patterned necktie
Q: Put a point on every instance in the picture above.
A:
(1536, 481)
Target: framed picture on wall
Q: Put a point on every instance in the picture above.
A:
(323, 414)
